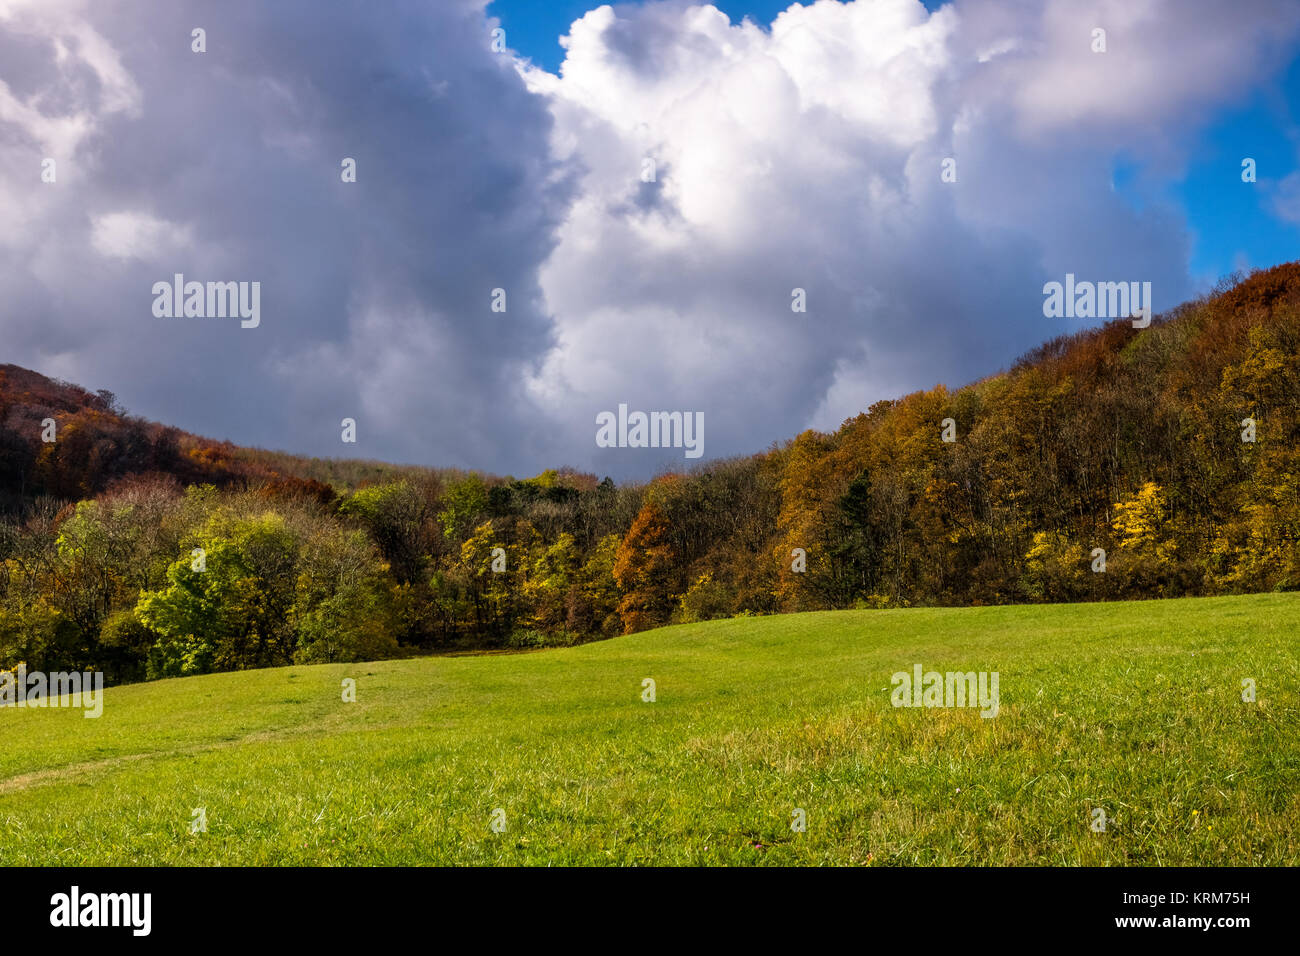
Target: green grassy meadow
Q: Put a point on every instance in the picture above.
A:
(1135, 708)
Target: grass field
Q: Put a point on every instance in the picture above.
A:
(1134, 708)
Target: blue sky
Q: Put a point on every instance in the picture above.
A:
(1237, 225)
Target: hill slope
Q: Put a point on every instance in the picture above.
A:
(1133, 708)
(98, 443)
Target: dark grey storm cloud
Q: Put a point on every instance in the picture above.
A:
(225, 165)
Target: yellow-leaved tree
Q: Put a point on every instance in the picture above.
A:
(1148, 545)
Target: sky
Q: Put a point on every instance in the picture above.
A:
(612, 206)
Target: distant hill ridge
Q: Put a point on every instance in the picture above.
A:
(100, 443)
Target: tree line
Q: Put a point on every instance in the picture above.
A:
(1114, 463)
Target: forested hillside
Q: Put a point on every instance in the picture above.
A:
(145, 551)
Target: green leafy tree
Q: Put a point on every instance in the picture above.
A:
(230, 611)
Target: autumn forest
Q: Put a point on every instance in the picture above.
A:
(1113, 463)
